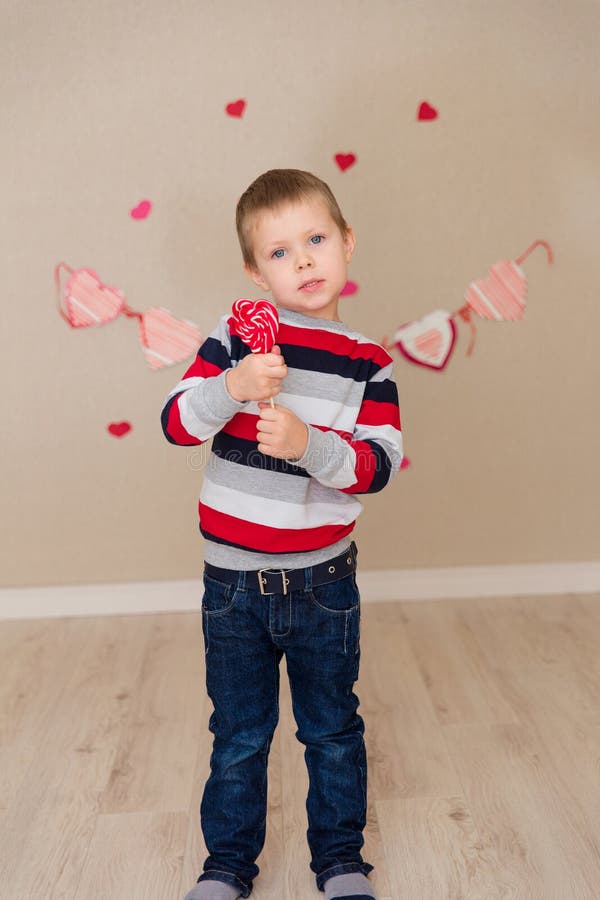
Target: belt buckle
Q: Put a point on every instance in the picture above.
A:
(262, 581)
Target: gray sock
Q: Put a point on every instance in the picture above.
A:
(351, 884)
(213, 890)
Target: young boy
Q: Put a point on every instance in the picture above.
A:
(277, 506)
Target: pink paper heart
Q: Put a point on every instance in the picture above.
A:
(88, 301)
(236, 108)
(428, 341)
(500, 296)
(142, 210)
(119, 429)
(426, 112)
(345, 160)
(349, 288)
(167, 340)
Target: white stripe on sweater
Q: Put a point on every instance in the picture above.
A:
(275, 513)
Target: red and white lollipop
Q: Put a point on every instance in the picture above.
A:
(256, 322)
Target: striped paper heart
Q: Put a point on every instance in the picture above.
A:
(88, 301)
(167, 340)
(428, 341)
(500, 296)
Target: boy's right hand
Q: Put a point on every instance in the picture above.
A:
(258, 376)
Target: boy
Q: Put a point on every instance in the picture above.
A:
(276, 508)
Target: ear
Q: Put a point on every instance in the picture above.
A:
(349, 243)
(255, 276)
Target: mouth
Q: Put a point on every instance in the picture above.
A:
(310, 285)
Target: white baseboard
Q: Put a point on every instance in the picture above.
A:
(374, 585)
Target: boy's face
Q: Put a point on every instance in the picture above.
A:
(300, 243)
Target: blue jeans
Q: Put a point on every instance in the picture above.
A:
(245, 636)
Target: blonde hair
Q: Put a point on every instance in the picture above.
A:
(270, 191)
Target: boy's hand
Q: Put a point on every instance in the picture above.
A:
(257, 376)
(281, 433)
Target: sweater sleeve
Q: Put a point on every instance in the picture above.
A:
(362, 462)
(200, 404)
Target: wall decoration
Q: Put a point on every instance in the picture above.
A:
(345, 160)
(428, 341)
(119, 429)
(142, 210)
(426, 113)
(165, 340)
(236, 108)
(349, 288)
(500, 296)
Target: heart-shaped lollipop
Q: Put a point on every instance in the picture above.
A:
(256, 322)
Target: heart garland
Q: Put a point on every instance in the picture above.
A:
(165, 340)
(500, 296)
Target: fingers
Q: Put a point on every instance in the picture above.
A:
(275, 357)
(267, 413)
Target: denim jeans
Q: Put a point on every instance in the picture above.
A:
(245, 636)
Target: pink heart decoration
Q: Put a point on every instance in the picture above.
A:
(119, 429)
(142, 210)
(426, 112)
(167, 340)
(500, 296)
(256, 322)
(428, 341)
(236, 109)
(349, 288)
(88, 301)
(345, 160)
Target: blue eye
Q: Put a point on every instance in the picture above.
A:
(275, 252)
(319, 236)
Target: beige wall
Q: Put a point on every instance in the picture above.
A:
(109, 103)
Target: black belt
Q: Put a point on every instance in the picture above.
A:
(280, 581)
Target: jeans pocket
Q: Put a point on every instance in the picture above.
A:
(218, 596)
(336, 597)
(336, 606)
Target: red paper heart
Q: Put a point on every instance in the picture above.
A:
(167, 340)
(142, 210)
(428, 341)
(345, 160)
(427, 112)
(236, 109)
(119, 429)
(349, 288)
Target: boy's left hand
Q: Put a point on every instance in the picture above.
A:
(281, 433)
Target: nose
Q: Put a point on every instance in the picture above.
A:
(303, 260)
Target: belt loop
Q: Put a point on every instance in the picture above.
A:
(308, 573)
(354, 550)
(241, 583)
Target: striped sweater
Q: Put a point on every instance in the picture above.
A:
(257, 511)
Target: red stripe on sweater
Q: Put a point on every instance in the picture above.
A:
(245, 426)
(365, 468)
(341, 344)
(202, 368)
(373, 412)
(176, 430)
(265, 538)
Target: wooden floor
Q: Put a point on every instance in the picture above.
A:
(482, 725)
